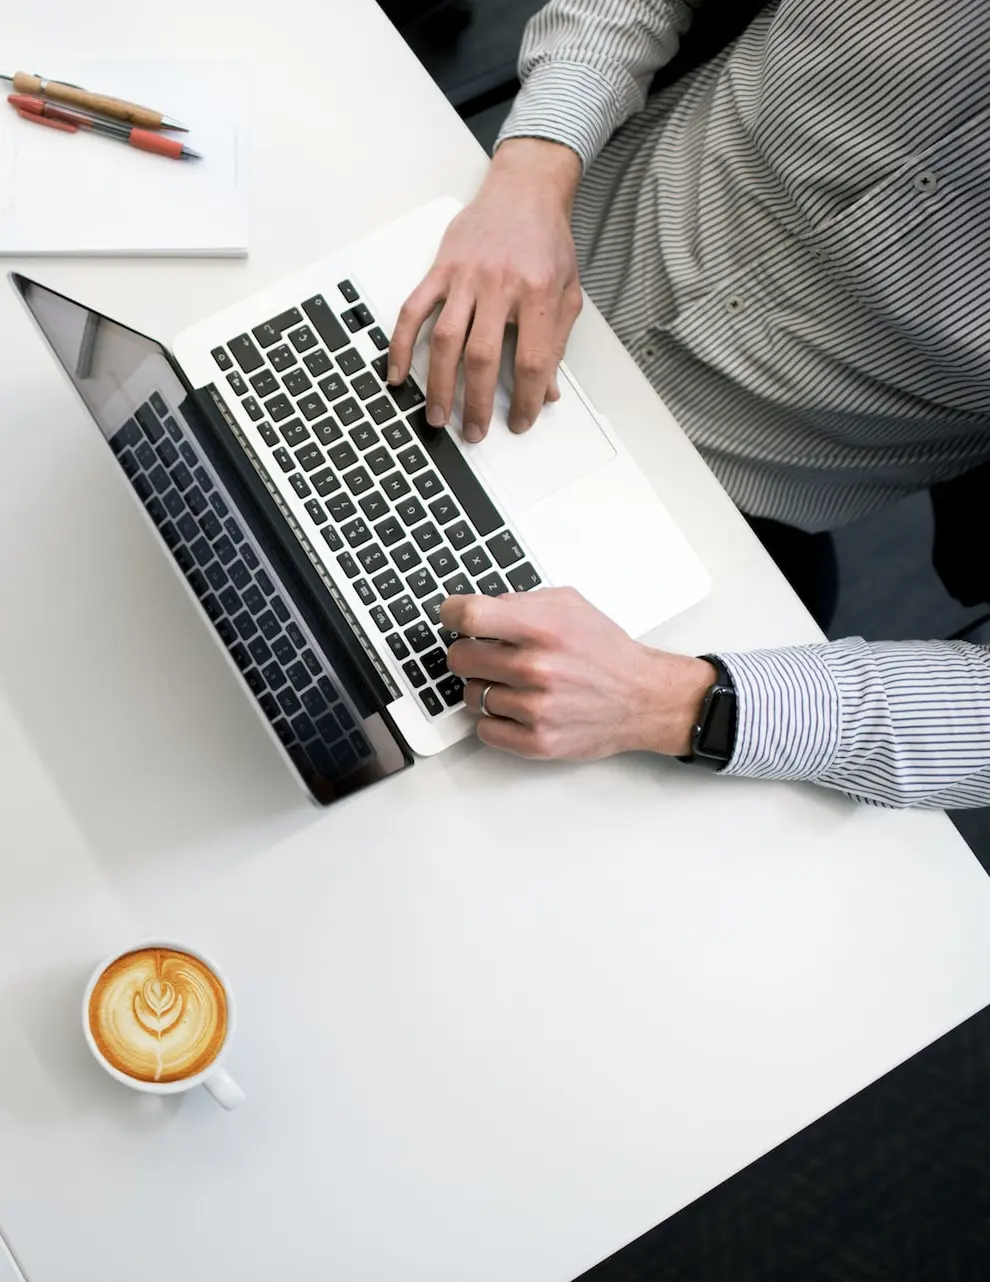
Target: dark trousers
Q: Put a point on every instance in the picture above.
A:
(808, 563)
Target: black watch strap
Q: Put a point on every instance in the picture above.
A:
(713, 737)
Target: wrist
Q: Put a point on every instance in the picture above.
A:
(668, 691)
(546, 168)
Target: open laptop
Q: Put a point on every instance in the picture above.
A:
(318, 520)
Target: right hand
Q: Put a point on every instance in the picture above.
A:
(508, 258)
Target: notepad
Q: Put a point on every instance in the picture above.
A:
(83, 194)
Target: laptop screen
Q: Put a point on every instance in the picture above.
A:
(286, 644)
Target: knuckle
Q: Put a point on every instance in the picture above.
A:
(536, 671)
(531, 360)
(541, 283)
(445, 334)
(541, 744)
(480, 354)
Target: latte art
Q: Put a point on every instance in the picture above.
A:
(158, 1015)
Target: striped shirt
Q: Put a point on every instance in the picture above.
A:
(793, 241)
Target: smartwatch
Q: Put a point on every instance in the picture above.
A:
(713, 737)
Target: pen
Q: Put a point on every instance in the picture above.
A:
(44, 113)
(116, 108)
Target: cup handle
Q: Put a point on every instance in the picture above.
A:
(224, 1089)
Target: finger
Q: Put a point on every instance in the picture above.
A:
(534, 361)
(509, 736)
(503, 618)
(481, 661)
(570, 309)
(415, 311)
(482, 357)
(500, 701)
(446, 349)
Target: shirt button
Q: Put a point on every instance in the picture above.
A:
(926, 181)
(735, 304)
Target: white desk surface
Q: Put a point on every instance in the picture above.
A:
(497, 1018)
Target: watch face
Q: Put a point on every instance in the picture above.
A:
(718, 734)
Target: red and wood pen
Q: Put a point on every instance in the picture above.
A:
(41, 112)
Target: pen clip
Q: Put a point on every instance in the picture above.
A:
(45, 120)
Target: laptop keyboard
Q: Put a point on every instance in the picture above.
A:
(395, 502)
(230, 575)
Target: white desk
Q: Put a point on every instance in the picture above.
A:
(497, 1018)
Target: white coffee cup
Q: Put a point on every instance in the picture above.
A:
(214, 1077)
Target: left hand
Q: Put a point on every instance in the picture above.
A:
(566, 681)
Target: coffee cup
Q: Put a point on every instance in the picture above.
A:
(159, 1017)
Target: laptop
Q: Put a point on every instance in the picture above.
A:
(319, 523)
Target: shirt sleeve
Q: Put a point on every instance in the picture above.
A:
(586, 66)
(900, 723)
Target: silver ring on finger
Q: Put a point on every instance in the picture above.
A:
(483, 699)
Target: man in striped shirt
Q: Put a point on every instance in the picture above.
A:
(793, 240)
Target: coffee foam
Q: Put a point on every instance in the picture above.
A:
(158, 1015)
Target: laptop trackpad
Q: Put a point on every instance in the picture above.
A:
(564, 444)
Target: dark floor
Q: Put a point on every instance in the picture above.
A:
(892, 1186)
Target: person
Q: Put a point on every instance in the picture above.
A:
(792, 241)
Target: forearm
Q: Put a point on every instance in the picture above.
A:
(586, 67)
(894, 723)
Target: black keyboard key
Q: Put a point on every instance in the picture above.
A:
(302, 339)
(406, 558)
(476, 561)
(245, 353)
(333, 387)
(316, 512)
(148, 419)
(381, 410)
(443, 561)
(348, 411)
(492, 584)
(310, 457)
(363, 436)
(237, 383)
(378, 460)
(325, 482)
(363, 589)
(413, 459)
(188, 528)
(252, 408)
(373, 506)
(358, 481)
(167, 452)
(303, 727)
(159, 479)
(256, 682)
(356, 532)
(129, 435)
(404, 610)
(325, 322)
(414, 674)
(250, 558)
(427, 536)
(326, 431)
(230, 600)
(269, 625)
(240, 575)
(275, 676)
(397, 435)
(435, 663)
(282, 358)
(209, 524)
(328, 690)
(406, 395)
(173, 429)
(523, 578)
(227, 632)
(447, 637)
(282, 612)
(300, 485)
(245, 625)
(221, 357)
(343, 456)
(332, 539)
(372, 559)
(348, 564)
(329, 727)
(233, 529)
(203, 481)
(505, 549)
(451, 690)
(254, 599)
(317, 362)
(260, 651)
(144, 490)
(297, 381)
(431, 703)
(216, 575)
(357, 318)
(460, 535)
(283, 731)
(428, 484)
(389, 531)
(284, 459)
(395, 486)
(284, 651)
(421, 584)
(311, 662)
(459, 585)
(461, 480)
(198, 583)
(210, 604)
(289, 702)
(195, 498)
(265, 383)
(380, 366)
(396, 644)
(341, 508)
(411, 511)
(273, 330)
(269, 706)
(431, 608)
(388, 584)
(129, 463)
(268, 433)
(278, 407)
(344, 756)
(351, 360)
(182, 477)
(419, 637)
(225, 550)
(298, 675)
(366, 385)
(145, 455)
(314, 703)
(157, 511)
(382, 621)
(379, 338)
(312, 406)
(349, 292)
